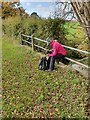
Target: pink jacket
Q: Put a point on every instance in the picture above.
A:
(57, 48)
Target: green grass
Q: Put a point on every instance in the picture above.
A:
(75, 33)
(29, 92)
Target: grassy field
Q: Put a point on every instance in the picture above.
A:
(75, 32)
(31, 93)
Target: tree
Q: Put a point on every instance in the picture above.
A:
(82, 10)
(64, 10)
(12, 9)
(75, 8)
(34, 15)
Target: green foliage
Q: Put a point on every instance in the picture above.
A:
(10, 9)
(75, 34)
(30, 25)
(56, 28)
(66, 32)
(40, 28)
(12, 26)
(75, 38)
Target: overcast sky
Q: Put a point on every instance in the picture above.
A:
(43, 9)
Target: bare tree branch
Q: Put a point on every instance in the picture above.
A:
(64, 10)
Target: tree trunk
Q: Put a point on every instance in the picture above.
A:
(82, 10)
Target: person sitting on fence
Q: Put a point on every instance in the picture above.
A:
(57, 52)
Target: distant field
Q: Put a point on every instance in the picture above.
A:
(75, 32)
(29, 92)
(77, 39)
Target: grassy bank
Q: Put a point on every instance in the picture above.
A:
(29, 93)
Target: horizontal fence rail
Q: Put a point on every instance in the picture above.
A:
(27, 42)
(77, 62)
(76, 49)
(40, 40)
(40, 47)
(26, 36)
(34, 38)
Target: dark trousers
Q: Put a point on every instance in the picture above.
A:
(51, 60)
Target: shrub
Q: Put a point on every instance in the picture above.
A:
(56, 28)
(29, 26)
(12, 26)
(42, 28)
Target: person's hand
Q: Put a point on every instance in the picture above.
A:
(48, 52)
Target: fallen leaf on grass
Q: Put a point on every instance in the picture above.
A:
(56, 109)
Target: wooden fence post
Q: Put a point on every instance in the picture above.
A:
(21, 39)
(32, 39)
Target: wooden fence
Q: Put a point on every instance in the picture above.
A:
(30, 40)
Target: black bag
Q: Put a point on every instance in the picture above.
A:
(43, 64)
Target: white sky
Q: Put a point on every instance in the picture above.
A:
(43, 9)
